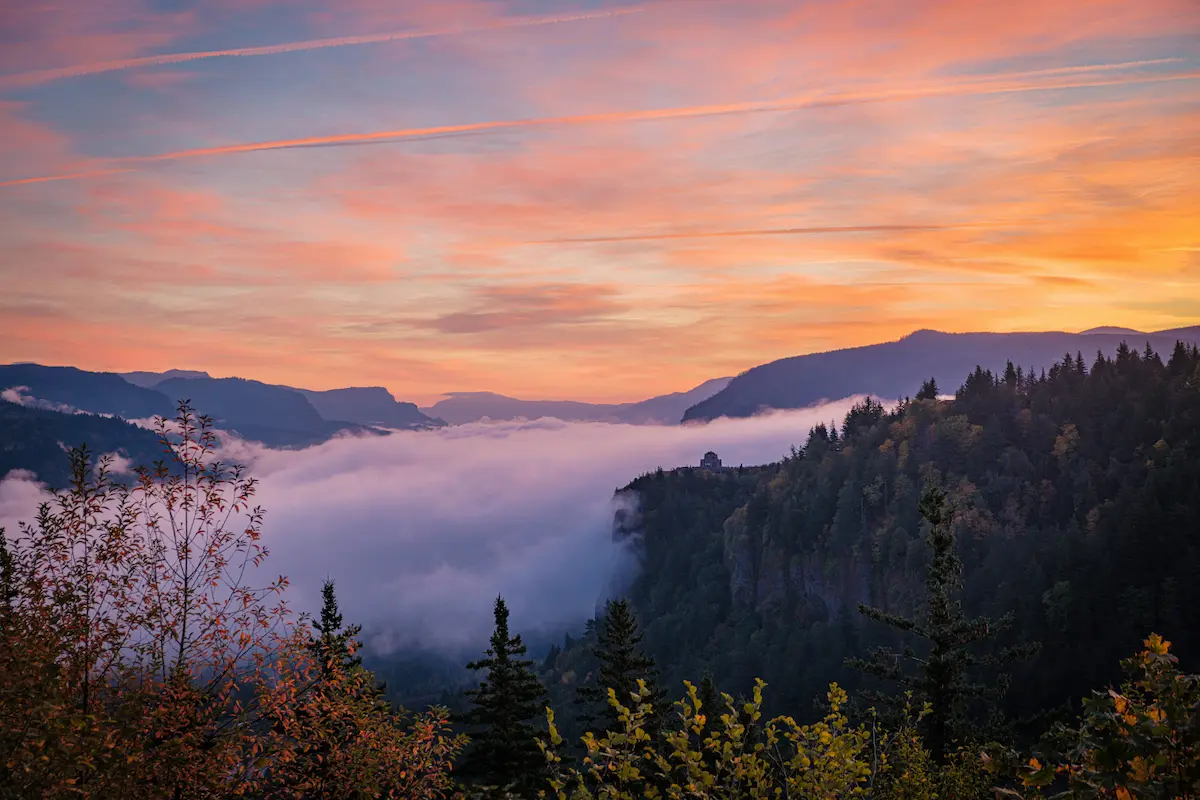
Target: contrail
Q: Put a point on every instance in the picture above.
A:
(68, 177)
(984, 86)
(1083, 68)
(41, 76)
(760, 232)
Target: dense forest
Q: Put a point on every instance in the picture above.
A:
(34, 439)
(1078, 511)
(911, 605)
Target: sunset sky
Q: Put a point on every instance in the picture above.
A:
(586, 200)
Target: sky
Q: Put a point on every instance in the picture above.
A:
(421, 530)
(584, 199)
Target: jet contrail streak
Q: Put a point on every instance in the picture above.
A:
(41, 76)
(984, 86)
(72, 176)
(1083, 68)
(759, 232)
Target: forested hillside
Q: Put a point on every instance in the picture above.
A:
(1070, 499)
(887, 369)
(34, 439)
(1078, 509)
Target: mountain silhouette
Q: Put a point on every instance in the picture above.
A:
(460, 408)
(896, 369)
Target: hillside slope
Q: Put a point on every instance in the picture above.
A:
(371, 405)
(151, 379)
(1077, 500)
(277, 416)
(895, 369)
(33, 439)
(668, 409)
(460, 408)
(98, 392)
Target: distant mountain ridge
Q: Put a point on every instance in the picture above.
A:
(460, 408)
(1112, 329)
(33, 439)
(98, 392)
(274, 415)
(284, 416)
(278, 416)
(368, 405)
(149, 380)
(895, 369)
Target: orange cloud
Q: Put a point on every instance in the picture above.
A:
(36, 77)
(43, 32)
(992, 84)
(934, 164)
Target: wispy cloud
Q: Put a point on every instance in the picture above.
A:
(760, 179)
(1000, 83)
(817, 230)
(36, 77)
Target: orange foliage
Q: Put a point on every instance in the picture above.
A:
(138, 660)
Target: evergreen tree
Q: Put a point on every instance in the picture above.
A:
(941, 678)
(341, 678)
(621, 664)
(710, 698)
(8, 586)
(929, 390)
(551, 657)
(335, 645)
(503, 750)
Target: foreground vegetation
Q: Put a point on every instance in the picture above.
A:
(1077, 501)
(139, 658)
(142, 657)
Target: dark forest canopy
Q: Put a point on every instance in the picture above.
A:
(33, 439)
(1064, 503)
(1077, 497)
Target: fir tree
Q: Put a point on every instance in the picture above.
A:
(340, 674)
(335, 645)
(621, 664)
(710, 698)
(8, 586)
(941, 678)
(929, 390)
(503, 750)
(551, 658)
(1010, 375)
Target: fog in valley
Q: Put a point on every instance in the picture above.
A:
(421, 530)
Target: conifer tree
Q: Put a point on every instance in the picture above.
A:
(941, 678)
(335, 645)
(929, 390)
(339, 678)
(504, 748)
(710, 698)
(8, 586)
(1010, 375)
(336, 648)
(621, 664)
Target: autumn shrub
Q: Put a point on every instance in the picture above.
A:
(139, 657)
(730, 754)
(1141, 741)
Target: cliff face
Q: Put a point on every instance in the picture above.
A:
(1075, 501)
(769, 576)
(369, 405)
